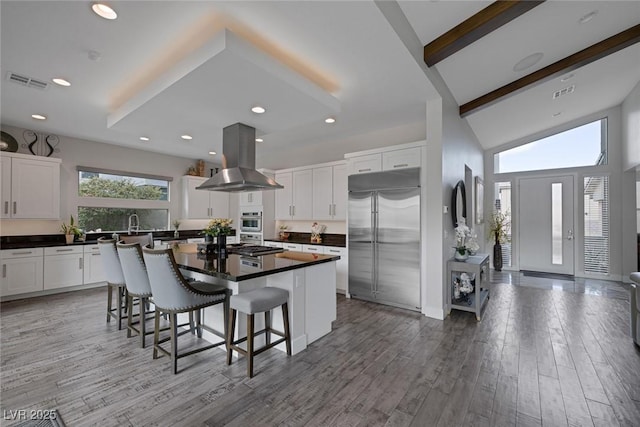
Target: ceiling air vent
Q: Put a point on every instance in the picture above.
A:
(566, 91)
(27, 81)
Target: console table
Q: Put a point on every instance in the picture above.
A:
(477, 265)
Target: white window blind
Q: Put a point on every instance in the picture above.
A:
(596, 224)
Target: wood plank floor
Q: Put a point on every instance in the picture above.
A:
(539, 357)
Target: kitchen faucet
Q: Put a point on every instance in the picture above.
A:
(134, 223)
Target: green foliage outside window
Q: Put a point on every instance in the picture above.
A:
(117, 219)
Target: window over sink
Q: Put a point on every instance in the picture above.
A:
(107, 199)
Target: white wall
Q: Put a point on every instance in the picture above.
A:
(631, 129)
(74, 152)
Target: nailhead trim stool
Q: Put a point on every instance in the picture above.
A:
(261, 300)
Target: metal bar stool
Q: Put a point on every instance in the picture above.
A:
(261, 300)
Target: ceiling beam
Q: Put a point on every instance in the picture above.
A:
(479, 25)
(594, 52)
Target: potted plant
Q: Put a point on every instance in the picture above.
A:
(499, 225)
(70, 230)
(284, 235)
(219, 228)
(176, 225)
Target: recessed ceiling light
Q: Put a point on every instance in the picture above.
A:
(212, 153)
(527, 62)
(259, 140)
(187, 137)
(144, 138)
(61, 82)
(567, 77)
(104, 11)
(330, 120)
(258, 109)
(588, 17)
(39, 117)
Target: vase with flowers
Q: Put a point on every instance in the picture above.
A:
(499, 228)
(219, 228)
(466, 241)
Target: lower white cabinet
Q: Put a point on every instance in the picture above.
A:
(93, 269)
(292, 247)
(342, 266)
(63, 266)
(273, 244)
(21, 271)
(315, 249)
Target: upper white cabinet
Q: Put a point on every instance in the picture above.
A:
(294, 201)
(30, 187)
(330, 192)
(202, 204)
(251, 198)
(390, 158)
(401, 159)
(22, 271)
(365, 164)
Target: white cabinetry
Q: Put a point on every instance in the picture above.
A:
(294, 201)
(401, 159)
(63, 266)
(410, 156)
(21, 271)
(93, 269)
(342, 266)
(313, 249)
(272, 244)
(30, 187)
(365, 164)
(292, 246)
(251, 198)
(202, 204)
(330, 193)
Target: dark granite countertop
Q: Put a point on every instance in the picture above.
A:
(236, 268)
(48, 240)
(305, 239)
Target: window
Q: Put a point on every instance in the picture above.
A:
(503, 205)
(596, 224)
(584, 145)
(109, 198)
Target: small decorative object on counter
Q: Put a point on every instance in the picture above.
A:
(70, 230)
(316, 231)
(466, 241)
(176, 225)
(284, 235)
(200, 167)
(192, 171)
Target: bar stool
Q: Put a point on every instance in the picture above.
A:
(261, 300)
(137, 282)
(115, 279)
(172, 294)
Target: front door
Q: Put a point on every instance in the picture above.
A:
(546, 229)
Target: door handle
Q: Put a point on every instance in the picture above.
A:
(4, 270)
(80, 264)
(570, 235)
(15, 207)
(6, 207)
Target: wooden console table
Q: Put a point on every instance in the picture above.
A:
(474, 301)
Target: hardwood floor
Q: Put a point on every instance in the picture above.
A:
(558, 356)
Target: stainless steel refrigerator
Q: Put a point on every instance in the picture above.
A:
(384, 237)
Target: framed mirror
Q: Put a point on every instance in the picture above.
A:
(458, 203)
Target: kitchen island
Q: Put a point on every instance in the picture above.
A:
(309, 278)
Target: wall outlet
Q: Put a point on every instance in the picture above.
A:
(445, 209)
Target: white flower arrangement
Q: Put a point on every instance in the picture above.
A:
(466, 239)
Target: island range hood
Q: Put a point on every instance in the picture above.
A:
(239, 163)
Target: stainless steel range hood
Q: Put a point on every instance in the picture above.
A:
(239, 163)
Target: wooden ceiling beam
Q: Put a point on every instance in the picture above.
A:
(479, 25)
(594, 52)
